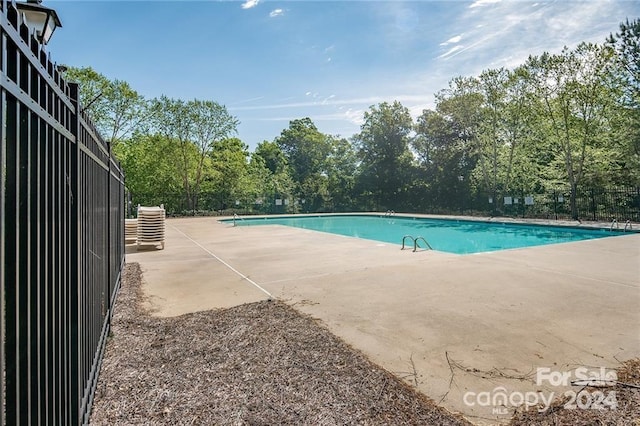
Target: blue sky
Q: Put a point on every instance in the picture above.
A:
(272, 61)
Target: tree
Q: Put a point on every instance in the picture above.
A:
(274, 158)
(306, 150)
(443, 179)
(264, 186)
(492, 142)
(115, 108)
(229, 161)
(195, 123)
(150, 171)
(626, 45)
(504, 147)
(461, 105)
(448, 144)
(253, 183)
(385, 159)
(304, 147)
(574, 102)
(523, 160)
(268, 176)
(341, 173)
(427, 139)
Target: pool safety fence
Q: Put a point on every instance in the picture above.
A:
(594, 204)
(62, 240)
(589, 203)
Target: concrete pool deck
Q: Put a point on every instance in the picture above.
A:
(457, 327)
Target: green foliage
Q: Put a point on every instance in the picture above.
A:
(229, 159)
(626, 125)
(341, 166)
(274, 158)
(627, 46)
(304, 147)
(265, 185)
(558, 121)
(193, 124)
(574, 107)
(442, 159)
(306, 151)
(116, 109)
(148, 162)
(385, 159)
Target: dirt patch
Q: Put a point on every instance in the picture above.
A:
(259, 363)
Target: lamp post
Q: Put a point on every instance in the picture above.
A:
(40, 19)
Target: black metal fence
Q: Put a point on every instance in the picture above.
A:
(209, 203)
(593, 204)
(61, 241)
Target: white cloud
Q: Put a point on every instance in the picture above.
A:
(507, 33)
(244, 101)
(451, 51)
(276, 12)
(354, 116)
(333, 101)
(326, 100)
(250, 3)
(343, 116)
(479, 3)
(455, 39)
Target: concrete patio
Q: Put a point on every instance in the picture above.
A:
(454, 326)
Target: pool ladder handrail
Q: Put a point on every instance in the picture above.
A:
(415, 242)
(614, 222)
(628, 223)
(390, 213)
(235, 216)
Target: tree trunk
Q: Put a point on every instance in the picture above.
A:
(573, 199)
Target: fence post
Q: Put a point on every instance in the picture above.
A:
(76, 382)
(110, 247)
(3, 167)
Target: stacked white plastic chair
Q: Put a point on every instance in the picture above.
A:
(151, 225)
(130, 230)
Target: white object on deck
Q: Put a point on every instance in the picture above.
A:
(130, 230)
(151, 225)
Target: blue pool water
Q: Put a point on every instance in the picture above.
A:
(452, 236)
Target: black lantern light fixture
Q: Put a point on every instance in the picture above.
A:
(40, 19)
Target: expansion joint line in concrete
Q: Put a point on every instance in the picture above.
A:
(244, 277)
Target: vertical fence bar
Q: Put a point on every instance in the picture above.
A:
(11, 261)
(3, 231)
(74, 255)
(3, 168)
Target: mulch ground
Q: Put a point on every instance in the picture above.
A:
(265, 364)
(257, 364)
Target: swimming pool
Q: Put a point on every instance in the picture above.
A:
(447, 235)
